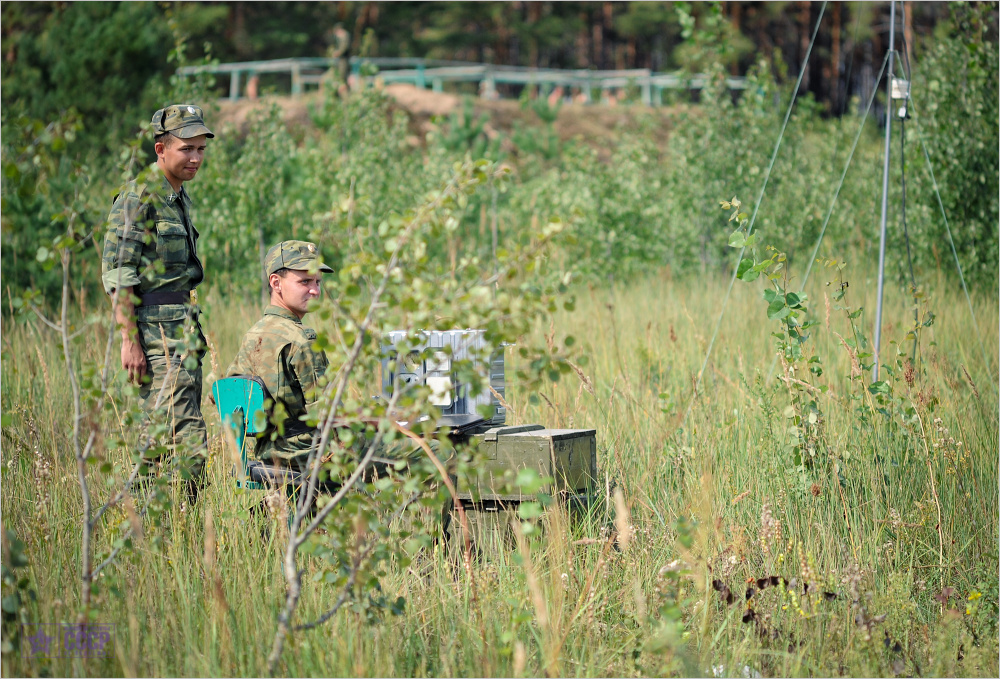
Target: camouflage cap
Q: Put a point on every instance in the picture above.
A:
(181, 120)
(299, 255)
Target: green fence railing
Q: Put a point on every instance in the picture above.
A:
(436, 73)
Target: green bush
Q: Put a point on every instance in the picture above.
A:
(644, 208)
(955, 87)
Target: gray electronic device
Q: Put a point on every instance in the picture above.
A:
(429, 357)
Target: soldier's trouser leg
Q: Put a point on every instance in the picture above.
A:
(172, 394)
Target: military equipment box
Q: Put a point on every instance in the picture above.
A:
(567, 456)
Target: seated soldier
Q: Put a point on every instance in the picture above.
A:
(278, 350)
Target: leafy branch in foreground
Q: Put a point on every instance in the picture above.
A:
(378, 463)
(789, 309)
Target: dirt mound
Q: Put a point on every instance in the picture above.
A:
(599, 125)
(419, 101)
(294, 110)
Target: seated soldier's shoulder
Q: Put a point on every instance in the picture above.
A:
(285, 328)
(301, 336)
(306, 337)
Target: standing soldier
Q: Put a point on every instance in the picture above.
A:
(151, 258)
(278, 350)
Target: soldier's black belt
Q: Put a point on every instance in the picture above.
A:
(158, 298)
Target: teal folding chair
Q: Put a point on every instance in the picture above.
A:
(240, 401)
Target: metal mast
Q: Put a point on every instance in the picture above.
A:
(885, 187)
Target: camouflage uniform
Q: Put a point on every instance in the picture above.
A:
(152, 245)
(278, 349)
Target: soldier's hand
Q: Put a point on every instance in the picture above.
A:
(133, 360)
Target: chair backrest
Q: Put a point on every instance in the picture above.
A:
(240, 401)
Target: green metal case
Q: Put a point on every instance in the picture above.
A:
(568, 456)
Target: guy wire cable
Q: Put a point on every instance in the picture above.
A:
(753, 218)
(836, 194)
(954, 252)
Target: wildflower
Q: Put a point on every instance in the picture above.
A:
(852, 578)
(770, 529)
(673, 566)
(42, 470)
(807, 566)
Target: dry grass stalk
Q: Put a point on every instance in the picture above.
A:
(507, 406)
(45, 374)
(770, 530)
(971, 383)
(520, 659)
(934, 493)
(232, 447)
(855, 365)
(133, 517)
(42, 476)
(639, 598)
(794, 380)
(741, 496)
(588, 384)
(213, 355)
(208, 556)
(276, 504)
(623, 521)
(547, 401)
(576, 405)
(220, 606)
(534, 589)
(702, 343)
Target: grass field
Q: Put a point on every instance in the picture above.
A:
(894, 526)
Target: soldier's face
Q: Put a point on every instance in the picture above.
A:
(180, 159)
(295, 290)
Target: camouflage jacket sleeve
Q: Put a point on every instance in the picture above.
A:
(124, 239)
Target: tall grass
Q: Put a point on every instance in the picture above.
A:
(715, 497)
